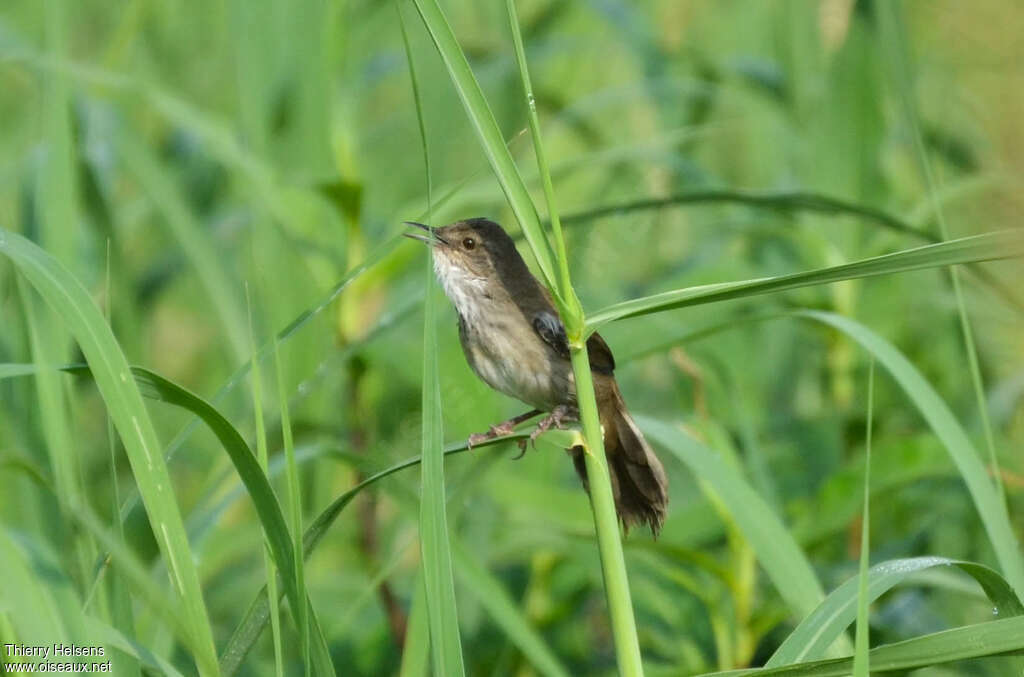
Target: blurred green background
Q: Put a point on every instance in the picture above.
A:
(181, 158)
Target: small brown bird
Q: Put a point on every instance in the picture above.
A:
(515, 342)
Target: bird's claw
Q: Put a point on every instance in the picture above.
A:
(493, 432)
(500, 430)
(552, 420)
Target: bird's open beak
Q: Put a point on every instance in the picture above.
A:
(432, 238)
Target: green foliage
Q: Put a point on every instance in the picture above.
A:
(759, 201)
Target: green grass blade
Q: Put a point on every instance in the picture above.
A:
(299, 606)
(118, 598)
(255, 480)
(783, 201)
(29, 600)
(415, 85)
(257, 615)
(779, 555)
(988, 247)
(945, 426)
(124, 404)
(791, 202)
(969, 641)
(256, 380)
(14, 369)
(246, 633)
(111, 636)
(572, 312)
(134, 573)
(491, 594)
(264, 500)
(491, 139)
(606, 520)
(130, 570)
(991, 508)
(291, 329)
(860, 656)
(827, 622)
(416, 651)
(154, 386)
(446, 648)
(44, 337)
(438, 582)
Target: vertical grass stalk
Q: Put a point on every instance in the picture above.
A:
(120, 602)
(438, 580)
(256, 380)
(861, 662)
(294, 506)
(602, 501)
(446, 649)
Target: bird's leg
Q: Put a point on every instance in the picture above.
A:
(558, 415)
(501, 429)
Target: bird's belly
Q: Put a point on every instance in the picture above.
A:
(524, 369)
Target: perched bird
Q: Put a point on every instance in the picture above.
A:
(514, 340)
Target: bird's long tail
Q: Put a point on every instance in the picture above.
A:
(638, 478)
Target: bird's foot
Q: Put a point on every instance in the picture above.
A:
(500, 429)
(558, 415)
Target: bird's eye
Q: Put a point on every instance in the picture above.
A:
(469, 243)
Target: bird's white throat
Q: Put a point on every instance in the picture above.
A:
(465, 290)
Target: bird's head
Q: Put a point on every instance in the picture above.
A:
(473, 258)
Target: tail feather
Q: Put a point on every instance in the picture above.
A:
(638, 479)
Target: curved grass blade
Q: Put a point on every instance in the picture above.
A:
(823, 625)
(969, 641)
(779, 555)
(156, 387)
(256, 484)
(282, 336)
(786, 201)
(264, 499)
(789, 202)
(258, 614)
(945, 426)
(986, 499)
(124, 403)
(1001, 244)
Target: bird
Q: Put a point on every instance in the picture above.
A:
(515, 341)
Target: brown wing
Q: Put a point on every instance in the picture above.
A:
(550, 329)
